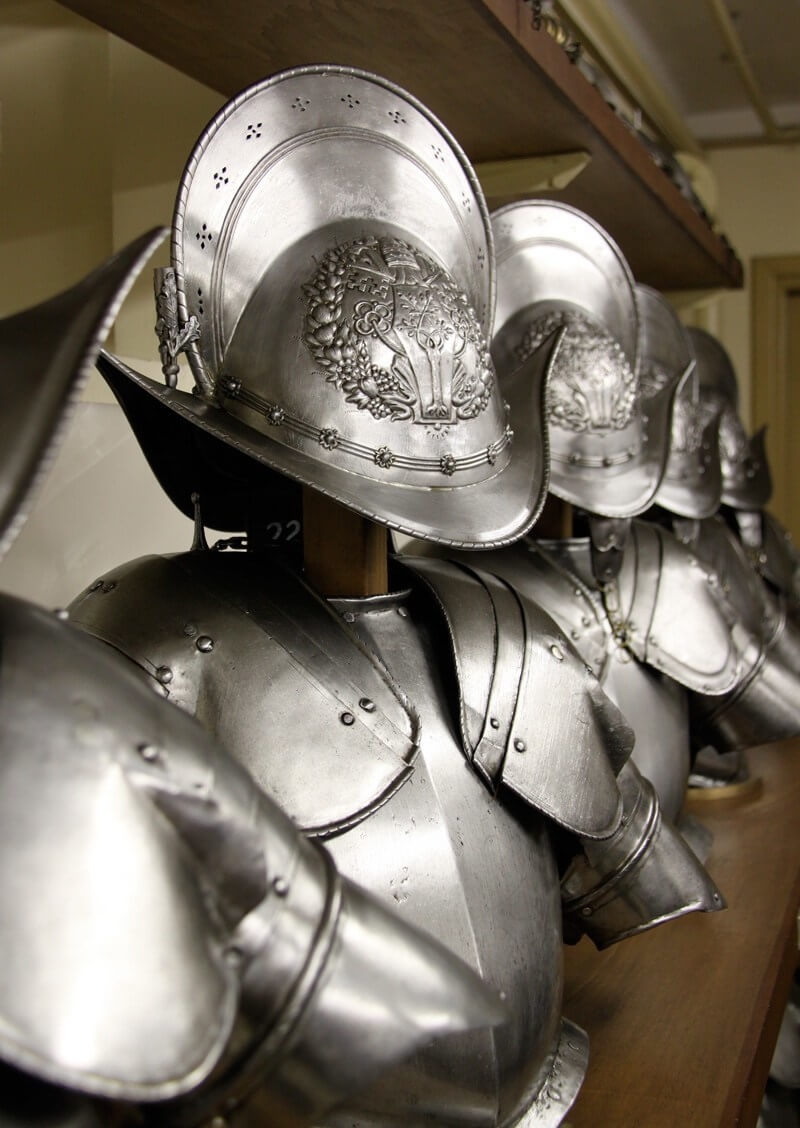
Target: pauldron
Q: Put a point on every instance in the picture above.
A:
(563, 761)
(669, 610)
(211, 631)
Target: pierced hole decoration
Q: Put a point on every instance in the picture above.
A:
(397, 117)
(253, 130)
(438, 155)
(466, 202)
(301, 104)
(221, 177)
(200, 307)
(204, 236)
(350, 101)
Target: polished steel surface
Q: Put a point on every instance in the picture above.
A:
(344, 343)
(673, 614)
(479, 871)
(765, 704)
(643, 875)
(439, 848)
(184, 944)
(557, 576)
(692, 482)
(556, 268)
(261, 622)
(746, 481)
(46, 355)
(560, 762)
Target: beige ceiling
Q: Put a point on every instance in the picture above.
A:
(681, 42)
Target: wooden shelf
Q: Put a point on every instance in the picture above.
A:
(503, 89)
(682, 1021)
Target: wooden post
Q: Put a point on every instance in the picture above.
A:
(344, 554)
(555, 520)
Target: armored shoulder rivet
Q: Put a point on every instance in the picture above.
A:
(586, 621)
(164, 675)
(347, 719)
(205, 644)
(61, 613)
(575, 635)
(557, 653)
(402, 612)
(148, 752)
(349, 617)
(493, 721)
(519, 745)
(577, 591)
(280, 886)
(367, 705)
(586, 910)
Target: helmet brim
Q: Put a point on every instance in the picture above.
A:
(486, 514)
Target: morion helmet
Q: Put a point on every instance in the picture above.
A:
(607, 429)
(333, 286)
(691, 484)
(746, 480)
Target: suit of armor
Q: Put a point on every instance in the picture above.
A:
(419, 732)
(174, 950)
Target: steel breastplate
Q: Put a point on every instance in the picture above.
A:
(439, 848)
(447, 854)
(248, 664)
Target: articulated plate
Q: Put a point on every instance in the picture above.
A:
(781, 560)
(561, 760)
(673, 615)
(114, 977)
(724, 555)
(643, 875)
(765, 706)
(211, 632)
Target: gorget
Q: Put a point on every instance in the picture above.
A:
(436, 845)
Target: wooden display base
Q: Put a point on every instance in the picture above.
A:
(682, 1020)
(698, 799)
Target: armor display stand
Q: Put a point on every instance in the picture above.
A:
(344, 555)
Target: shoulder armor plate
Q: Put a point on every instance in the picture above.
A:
(722, 552)
(672, 613)
(245, 650)
(96, 850)
(513, 667)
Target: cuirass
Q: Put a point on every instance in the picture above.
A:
(424, 833)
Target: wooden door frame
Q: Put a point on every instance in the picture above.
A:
(773, 279)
